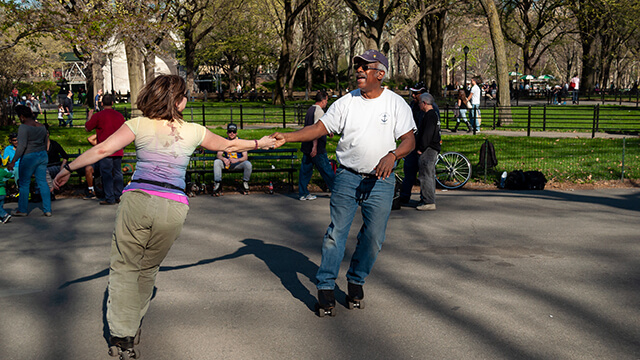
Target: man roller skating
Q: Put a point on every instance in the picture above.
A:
(370, 119)
(326, 303)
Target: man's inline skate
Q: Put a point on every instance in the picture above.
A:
(123, 347)
(355, 299)
(326, 303)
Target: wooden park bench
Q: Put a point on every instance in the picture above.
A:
(280, 160)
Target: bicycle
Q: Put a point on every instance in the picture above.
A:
(453, 170)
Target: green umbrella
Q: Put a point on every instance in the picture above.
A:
(527, 77)
(513, 73)
(546, 77)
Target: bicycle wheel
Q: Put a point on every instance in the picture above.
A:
(453, 170)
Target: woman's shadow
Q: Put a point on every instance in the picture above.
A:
(284, 262)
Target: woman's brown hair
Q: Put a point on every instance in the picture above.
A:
(158, 99)
(462, 96)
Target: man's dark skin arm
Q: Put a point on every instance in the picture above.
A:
(307, 133)
(386, 164)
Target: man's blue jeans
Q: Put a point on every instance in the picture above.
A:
(69, 119)
(475, 116)
(34, 163)
(112, 179)
(321, 162)
(375, 198)
(245, 166)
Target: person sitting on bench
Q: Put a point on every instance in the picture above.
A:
(231, 161)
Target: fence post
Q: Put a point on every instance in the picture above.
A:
(495, 114)
(241, 118)
(486, 158)
(624, 148)
(446, 115)
(284, 117)
(231, 113)
(595, 120)
(544, 117)
(529, 122)
(44, 112)
(264, 114)
(191, 110)
(204, 122)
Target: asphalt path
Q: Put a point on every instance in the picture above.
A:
(489, 275)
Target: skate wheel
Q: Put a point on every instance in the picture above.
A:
(332, 312)
(135, 354)
(113, 351)
(350, 305)
(361, 304)
(320, 310)
(136, 339)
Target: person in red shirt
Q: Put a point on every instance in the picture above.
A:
(107, 122)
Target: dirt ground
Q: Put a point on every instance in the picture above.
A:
(605, 184)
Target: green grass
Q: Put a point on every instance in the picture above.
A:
(562, 160)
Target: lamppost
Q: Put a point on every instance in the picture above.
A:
(111, 72)
(517, 85)
(446, 74)
(466, 51)
(453, 71)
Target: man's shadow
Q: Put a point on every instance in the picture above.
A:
(284, 262)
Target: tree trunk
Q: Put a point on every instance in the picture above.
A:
(149, 66)
(189, 55)
(436, 33)
(281, 75)
(502, 70)
(97, 62)
(136, 73)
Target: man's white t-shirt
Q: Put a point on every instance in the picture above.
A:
(369, 127)
(475, 95)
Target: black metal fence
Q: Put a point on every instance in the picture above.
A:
(579, 118)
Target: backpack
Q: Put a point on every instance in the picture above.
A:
(535, 180)
(488, 152)
(525, 180)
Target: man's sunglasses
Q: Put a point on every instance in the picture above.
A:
(365, 67)
(232, 131)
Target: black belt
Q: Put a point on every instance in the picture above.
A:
(158, 183)
(367, 175)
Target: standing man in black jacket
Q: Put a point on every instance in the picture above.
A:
(428, 146)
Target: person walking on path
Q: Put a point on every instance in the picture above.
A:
(428, 147)
(314, 153)
(474, 97)
(107, 122)
(410, 163)
(154, 205)
(32, 153)
(574, 86)
(371, 119)
(463, 105)
(67, 103)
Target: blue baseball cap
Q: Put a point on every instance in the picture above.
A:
(373, 56)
